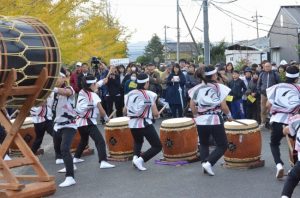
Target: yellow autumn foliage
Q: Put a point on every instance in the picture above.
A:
(80, 35)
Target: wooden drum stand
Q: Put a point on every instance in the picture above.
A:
(38, 185)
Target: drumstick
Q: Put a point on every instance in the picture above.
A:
(112, 114)
(243, 123)
(162, 109)
(289, 143)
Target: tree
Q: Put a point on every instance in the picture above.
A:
(81, 32)
(142, 60)
(154, 49)
(217, 53)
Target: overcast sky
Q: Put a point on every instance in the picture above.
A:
(145, 17)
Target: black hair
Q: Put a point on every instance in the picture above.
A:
(63, 71)
(87, 86)
(236, 71)
(141, 76)
(177, 66)
(202, 76)
(291, 70)
(182, 60)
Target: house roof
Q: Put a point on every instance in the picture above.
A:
(260, 44)
(292, 11)
(183, 47)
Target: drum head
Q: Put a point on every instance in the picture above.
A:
(236, 125)
(27, 45)
(121, 121)
(177, 122)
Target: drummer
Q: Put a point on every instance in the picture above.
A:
(64, 126)
(283, 101)
(88, 107)
(141, 108)
(294, 175)
(42, 120)
(210, 97)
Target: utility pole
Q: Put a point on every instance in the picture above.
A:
(256, 20)
(206, 37)
(178, 33)
(231, 33)
(166, 41)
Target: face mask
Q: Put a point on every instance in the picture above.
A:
(133, 69)
(133, 78)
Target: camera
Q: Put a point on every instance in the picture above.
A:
(95, 62)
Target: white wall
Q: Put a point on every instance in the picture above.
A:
(235, 56)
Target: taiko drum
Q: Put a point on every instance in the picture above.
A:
(118, 138)
(244, 143)
(179, 138)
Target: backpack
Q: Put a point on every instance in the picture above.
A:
(138, 104)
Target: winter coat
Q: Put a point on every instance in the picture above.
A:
(172, 92)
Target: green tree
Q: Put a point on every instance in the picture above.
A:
(142, 60)
(154, 49)
(217, 53)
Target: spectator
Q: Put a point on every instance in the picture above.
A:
(183, 66)
(253, 108)
(154, 79)
(238, 88)
(84, 72)
(174, 97)
(130, 84)
(246, 78)
(74, 77)
(281, 73)
(229, 71)
(164, 78)
(191, 79)
(221, 76)
(113, 95)
(267, 78)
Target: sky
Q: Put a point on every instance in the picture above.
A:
(143, 18)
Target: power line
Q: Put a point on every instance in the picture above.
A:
(220, 9)
(224, 2)
(196, 19)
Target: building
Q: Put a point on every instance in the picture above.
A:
(187, 51)
(284, 34)
(250, 51)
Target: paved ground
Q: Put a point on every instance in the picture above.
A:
(168, 181)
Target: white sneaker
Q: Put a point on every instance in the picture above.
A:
(207, 167)
(77, 160)
(64, 169)
(284, 196)
(69, 181)
(135, 157)
(280, 171)
(7, 158)
(138, 163)
(105, 164)
(59, 161)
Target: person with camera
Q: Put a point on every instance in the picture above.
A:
(84, 72)
(113, 95)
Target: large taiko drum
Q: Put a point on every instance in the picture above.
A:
(119, 139)
(27, 45)
(179, 139)
(27, 132)
(244, 143)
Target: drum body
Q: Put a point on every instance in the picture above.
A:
(27, 45)
(179, 139)
(118, 138)
(244, 143)
(293, 155)
(27, 132)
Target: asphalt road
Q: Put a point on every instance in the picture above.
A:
(161, 181)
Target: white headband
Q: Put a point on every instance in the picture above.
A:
(143, 81)
(91, 81)
(292, 75)
(211, 72)
(62, 74)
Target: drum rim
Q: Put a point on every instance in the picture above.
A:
(13, 101)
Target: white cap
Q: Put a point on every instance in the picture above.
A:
(78, 64)
(283, 62)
